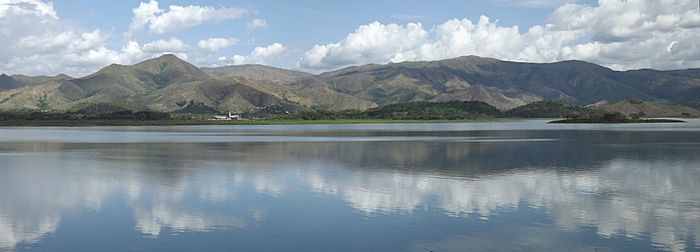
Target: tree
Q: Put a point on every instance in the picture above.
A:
(42, 102)
(637, 116)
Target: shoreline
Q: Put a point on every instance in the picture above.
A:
(629, 121)
(93, 123)
(126, 123)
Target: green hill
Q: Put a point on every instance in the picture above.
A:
(648, 109)
(34, 80)
(258, 73)
(545, 109)
(167, 82)
(163, 84)
(503, 84)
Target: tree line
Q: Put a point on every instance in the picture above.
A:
(74, 116)
(422, 110)
(451, 110)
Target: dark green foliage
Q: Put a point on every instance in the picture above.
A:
(42, 102)
(613, 117)
(195, 108)
(454, 110)
(273, 111)
(37, 116)
(602, 116)
(130, 115)
(161, 81)
(75, 116)
(637, 116)
(100, 108)
(545, 109)
(163, 66)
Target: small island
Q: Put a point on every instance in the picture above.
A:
(607, 117)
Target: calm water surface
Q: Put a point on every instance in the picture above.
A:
(505, 186)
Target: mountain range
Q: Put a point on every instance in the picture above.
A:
(169, 84)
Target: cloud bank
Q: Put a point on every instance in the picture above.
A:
(261, 55)
(216, 44)
(619, 34)
(257, 23)
(178, 18)
(630, 34)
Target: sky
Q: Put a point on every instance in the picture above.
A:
(78, 37)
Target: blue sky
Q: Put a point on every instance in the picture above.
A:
(319, 36)
(302, 24)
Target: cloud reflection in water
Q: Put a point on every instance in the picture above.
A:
(635, 191)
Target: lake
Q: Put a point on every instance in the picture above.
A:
(488, 186)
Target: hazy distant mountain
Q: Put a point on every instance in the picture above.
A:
(7, 82)
(648, 109)
(33, 80)
(500, 83)
(677, 86)
(167, 83)
(258, 72)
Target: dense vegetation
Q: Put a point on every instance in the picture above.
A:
(545, 109)
(413, 111)
(194, 107)
(76, 116)
(168, 83)
(602, 116)
(454, 110)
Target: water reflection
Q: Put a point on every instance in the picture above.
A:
(635, 185)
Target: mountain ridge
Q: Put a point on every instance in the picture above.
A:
(258, 72)
(164, 82)
(572, 81)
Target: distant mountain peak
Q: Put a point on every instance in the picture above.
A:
(162, 82)
(163, 59)
(7, 82)
(63, 76)
(472, 57)
(168, 55)
(172, 67)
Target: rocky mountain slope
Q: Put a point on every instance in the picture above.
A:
(507, 85)
(166, 83)
(648, 109)
(258, 73)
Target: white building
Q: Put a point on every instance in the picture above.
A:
(228, 117)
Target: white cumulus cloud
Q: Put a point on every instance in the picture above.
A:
(619, 34)
(261, 55)
(257, 23)
(216, 44)
(173, 45)
(177, 18)
(37, 41)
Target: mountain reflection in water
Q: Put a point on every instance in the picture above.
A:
(621, 186)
